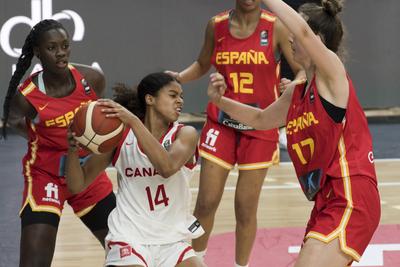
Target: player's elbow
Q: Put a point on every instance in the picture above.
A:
(167, 171)
(75, 188)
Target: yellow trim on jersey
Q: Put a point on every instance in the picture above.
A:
(28, 89)
(29, 197)
(85, 211)
(261, 165)
(220, 18)
(216, 160)
(268, 17)
(278, 70)
(277, 73)
(340, 231)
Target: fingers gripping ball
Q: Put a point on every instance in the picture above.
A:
(95, 131)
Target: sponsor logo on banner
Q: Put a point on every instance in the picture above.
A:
(40, 9)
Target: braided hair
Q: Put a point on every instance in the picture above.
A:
(133, 99)
(24, 62)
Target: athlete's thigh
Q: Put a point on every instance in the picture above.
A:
(315, 253)
(177, 254)
(191, 262)
(249, 186)
(96, 219)
(212, 180)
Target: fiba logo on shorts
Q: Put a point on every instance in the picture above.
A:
(40, 9)
(211, 138)
(51, 193)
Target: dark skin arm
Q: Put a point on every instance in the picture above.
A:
(79, 177)
(203, 63)
(19, 110)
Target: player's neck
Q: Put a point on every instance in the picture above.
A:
(57, 81)
(156, 125)
(246, 17)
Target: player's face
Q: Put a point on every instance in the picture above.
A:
(169, 101)
(247, 5)
(54, 50)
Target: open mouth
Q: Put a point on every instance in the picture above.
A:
(62, 63)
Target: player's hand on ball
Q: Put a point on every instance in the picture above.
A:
(115, 110)
(216, 87)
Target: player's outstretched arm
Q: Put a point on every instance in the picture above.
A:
(203, 63)
(273, 116)
(330, 70)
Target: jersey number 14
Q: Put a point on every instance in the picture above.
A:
(160, 197)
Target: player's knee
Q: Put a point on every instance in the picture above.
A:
(206, 205)
(245, 215)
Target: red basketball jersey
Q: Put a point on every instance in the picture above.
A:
(249, 67)
(315, 141)
(47, 133)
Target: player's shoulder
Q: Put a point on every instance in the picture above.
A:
(89, 72)
(186, 131)
(222, 16)
(268, 16)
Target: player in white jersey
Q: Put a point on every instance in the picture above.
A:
(152, 223)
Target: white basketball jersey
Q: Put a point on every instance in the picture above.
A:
(151, 209)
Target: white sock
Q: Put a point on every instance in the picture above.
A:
(237, 265)
(201, 254)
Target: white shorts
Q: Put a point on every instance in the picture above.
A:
(168, 255)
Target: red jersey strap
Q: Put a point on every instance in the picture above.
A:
(221, 25)
(78, 77)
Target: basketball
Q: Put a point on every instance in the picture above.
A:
(94, 131)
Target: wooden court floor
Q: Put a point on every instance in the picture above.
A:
(282, 204)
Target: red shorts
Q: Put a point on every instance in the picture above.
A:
(46, 193)
(348, 209)
(226, 146)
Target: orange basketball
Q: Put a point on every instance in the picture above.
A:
(95, 131)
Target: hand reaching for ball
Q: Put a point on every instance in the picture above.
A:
(114, 110)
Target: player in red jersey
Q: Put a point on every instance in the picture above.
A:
(245, 46)
(328, 138)
(41, 111)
